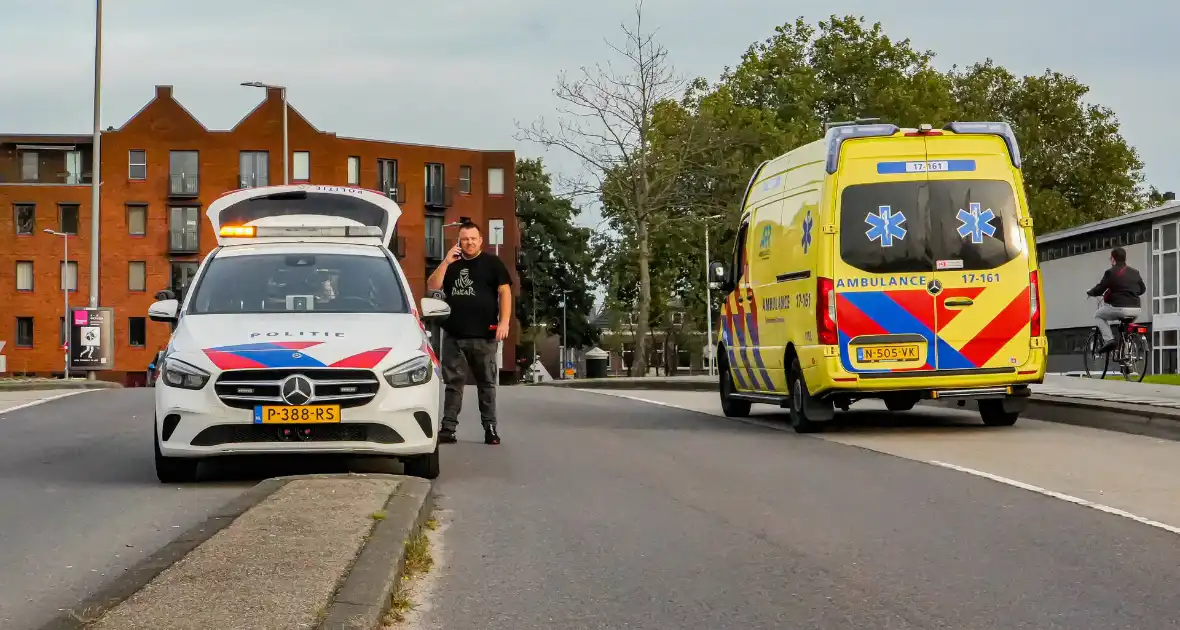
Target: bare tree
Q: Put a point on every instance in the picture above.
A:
(606, 117)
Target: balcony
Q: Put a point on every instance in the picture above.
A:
(45, 161)
(184, 242)
(252, 180)
(183, 185)
(396, 192)
(440, 197)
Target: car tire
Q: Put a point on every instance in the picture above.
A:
(424, 466)
(801, 420)
(729, 406)
(173, 469)
(992, 412)
(900, 404)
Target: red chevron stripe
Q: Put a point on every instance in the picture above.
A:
(853, 322)
(945, 315)
(918, 303)
(231, 361)
(998, 332)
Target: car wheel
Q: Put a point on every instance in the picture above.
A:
(173, 469)
(898, 403)
(424, 466)
(992, 412)
(730, 407)
(801, 401)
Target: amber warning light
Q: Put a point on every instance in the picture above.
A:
(238, 230)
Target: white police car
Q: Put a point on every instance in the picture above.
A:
(299, 334)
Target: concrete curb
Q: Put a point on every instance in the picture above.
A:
(34, 385)
(146, 570)
(367, 591)
(1161, 422)
(363, 597)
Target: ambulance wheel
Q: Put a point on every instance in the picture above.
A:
(900, 403)
(801, 401)
(731, 407)
(993, 414)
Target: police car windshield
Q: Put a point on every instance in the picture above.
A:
(900, 227)
(293, 283)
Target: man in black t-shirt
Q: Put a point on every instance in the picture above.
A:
(479, 291)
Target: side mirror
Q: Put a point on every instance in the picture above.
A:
(719, 276)
(164, 311)
(434, 309)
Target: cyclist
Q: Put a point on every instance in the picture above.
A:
(1120, 288)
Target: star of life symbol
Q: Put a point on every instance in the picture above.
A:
(807, 225)
(976, 224)
(885, 226)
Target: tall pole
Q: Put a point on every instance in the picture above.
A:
(95, 175)
(65, 294)
(708, 306)
(564, 332)
(286, 152)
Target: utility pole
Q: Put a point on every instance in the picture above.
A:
(95, 179)
(710, 347)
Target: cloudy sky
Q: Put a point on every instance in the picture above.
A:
(464, 72)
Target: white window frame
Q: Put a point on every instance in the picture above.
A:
(1164, 303)
(495, 181)
(354, 170)
(132, 164)
(301, 172)
(29, 286)
(464, 179)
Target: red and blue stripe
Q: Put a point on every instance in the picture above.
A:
(285, 354)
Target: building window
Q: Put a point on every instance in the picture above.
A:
(137, 275)
(253, 169)
(436, 190)
(495, 181)
(183, 230)
(137, 164)
(68, 219)
(24, 332)
(387, 175)
(24, 275)
(1165, 270)
(73, 167)
(1163, 351)
(30, 166)
(184, 173)
(1100, 241)
(136, 332)
(26, 218)
(465, 180)
(69, 276)
(181, 277)
(354, 170)
(434, 237)
(136, 219)
(301, 166)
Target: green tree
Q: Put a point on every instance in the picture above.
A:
(557, 257)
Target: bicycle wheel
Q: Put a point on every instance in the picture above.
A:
(1092, 360)
(1135, 358)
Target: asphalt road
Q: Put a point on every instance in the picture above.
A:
(603, 512)
(79, 499)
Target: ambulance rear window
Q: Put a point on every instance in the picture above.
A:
(902, 227)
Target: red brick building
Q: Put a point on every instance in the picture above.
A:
(160, 170)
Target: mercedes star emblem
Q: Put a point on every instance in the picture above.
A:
(296, 390)
(934, 287)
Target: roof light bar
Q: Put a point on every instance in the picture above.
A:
(837, 135)
(1002, 129)
(338, 231)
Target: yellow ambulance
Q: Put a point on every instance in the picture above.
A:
(884, 263)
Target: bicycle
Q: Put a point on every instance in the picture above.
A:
(1133, 347)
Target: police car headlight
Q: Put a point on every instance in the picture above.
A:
(180, 374)
(416, 371)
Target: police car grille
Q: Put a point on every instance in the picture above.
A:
(244, 389)
(254, 433)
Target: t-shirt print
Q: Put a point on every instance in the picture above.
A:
(463, 284)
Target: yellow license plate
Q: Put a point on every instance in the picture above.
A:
(306, 414)
(882, 354)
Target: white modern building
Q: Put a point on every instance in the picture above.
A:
(1072, 261)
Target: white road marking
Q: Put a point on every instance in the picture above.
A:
(43, 400)
(777, 426)
(963, 469)
(1058, 495)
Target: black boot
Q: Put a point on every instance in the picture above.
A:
(490, 435)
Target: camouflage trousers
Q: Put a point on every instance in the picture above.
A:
(457, 355)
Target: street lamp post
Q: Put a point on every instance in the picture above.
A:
(709, 299)
(564, 333)
(95, 178)
(286, 153)
(65, 291)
